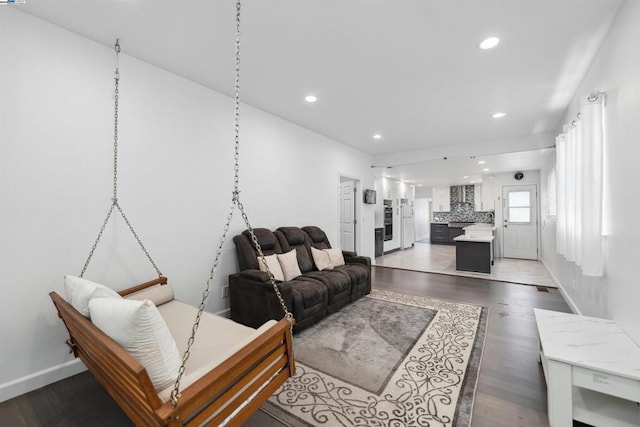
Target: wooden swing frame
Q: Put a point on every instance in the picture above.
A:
(237, 387)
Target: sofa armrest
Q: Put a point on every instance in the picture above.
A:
(349, 254)
(364, 260)
(253, 300)
(257, 275)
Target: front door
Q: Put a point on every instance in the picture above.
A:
(520, 232)
(347, 216)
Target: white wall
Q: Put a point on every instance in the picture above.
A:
(615, 70)
(175, 183)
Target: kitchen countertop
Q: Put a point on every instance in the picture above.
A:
(459, 224)
(465, 238)
(481, 227)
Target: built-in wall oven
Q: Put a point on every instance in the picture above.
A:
(388, 219)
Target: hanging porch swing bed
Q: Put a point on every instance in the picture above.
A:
(232, 372)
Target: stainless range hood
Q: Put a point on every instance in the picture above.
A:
(458, 190)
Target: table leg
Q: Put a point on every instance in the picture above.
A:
(559, 399)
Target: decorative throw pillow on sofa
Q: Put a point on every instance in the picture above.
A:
(138, 328)
(289, 264)
(80, 291)
(335, 255)
(274, 266)
(321, 259)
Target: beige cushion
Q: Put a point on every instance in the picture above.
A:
(335, 255)
(156, 294)
(289, 264)
(321, 259)
(138, 328)
(274, 266)
(217, 339)
(80, 291)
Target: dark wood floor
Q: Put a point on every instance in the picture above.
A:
(511, 389)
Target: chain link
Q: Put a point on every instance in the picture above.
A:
(114, 199)
(235, 201)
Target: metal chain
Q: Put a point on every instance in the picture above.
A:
(235, 201)
(95, 244)
(114, 199)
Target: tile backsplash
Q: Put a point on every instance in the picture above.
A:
(463, 211)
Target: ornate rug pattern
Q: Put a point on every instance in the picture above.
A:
(433, 383)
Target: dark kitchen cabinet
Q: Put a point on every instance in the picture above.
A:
(454, 232)
(439, 233)
(474, 256)
(379, 241)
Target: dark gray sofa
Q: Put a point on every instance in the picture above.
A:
(311, 296)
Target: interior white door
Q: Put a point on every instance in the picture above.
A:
(520, 232)
(347, 216)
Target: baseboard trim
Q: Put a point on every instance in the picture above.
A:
(40, 379)
(567, 298)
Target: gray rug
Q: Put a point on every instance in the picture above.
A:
(386, 360)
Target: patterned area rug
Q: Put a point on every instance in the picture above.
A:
(386, 360)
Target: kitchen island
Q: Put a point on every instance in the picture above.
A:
(474, 249)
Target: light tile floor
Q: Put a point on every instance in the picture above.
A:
(442, 259)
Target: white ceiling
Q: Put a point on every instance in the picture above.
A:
(408, 69)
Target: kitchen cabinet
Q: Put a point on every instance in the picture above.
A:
(445, 233)
(439, 233)
(441, 199)
(477, 197)
(474, 254)
(488, 195)
(455, 232)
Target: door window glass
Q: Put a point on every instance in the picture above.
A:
(519, 206)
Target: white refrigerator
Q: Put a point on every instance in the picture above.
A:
(407, 226)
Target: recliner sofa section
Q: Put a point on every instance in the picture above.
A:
(311, 296)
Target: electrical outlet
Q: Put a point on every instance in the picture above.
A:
(225, 292)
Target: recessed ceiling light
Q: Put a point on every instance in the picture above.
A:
(481, 162)
(311, 98)
(498, 115)
(472, 182)
(489, 42)
(377, 136)
(465, 177)
(485, 170)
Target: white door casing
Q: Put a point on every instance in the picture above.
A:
(347, 215)
(520, 221)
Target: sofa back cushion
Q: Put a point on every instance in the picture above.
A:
(247, 254)
(317, 238)
(294, 238)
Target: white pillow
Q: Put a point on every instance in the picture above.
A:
(138, 328)
(335, 255)
(289, 264)
(80, 291)
(321, 259)
(274, 266)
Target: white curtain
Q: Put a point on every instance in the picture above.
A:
(579, 167)
(561, 212)
(593, 189)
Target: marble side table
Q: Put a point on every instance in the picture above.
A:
(592, 369)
